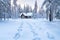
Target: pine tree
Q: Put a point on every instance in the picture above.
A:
(26, 8)
(53, 5)
(35, 10)
(35, 7)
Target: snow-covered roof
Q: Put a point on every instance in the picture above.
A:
(29, 14)
(22, 13)
(26, 14)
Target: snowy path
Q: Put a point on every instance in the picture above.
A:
(30, 29)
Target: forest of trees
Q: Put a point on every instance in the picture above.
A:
(8, 11)
(5, 9)
(52, 8)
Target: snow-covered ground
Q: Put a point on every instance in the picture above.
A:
(29, 29)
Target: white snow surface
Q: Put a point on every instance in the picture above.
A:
(29, 29)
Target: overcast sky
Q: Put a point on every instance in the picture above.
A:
(30, 2)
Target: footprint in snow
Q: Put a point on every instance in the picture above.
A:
(37, 38)
(50, 36)
(17, 36)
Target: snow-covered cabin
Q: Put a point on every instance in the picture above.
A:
(26, 15)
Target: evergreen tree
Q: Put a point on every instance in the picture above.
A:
(35, 7)
(53, 5)
(20, 9)
(35, 10)
(5, 8)
(58, 15)
(26, 8)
